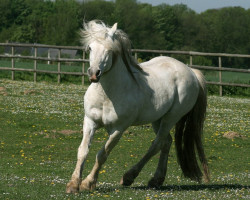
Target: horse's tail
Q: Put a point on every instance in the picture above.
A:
(188, 132)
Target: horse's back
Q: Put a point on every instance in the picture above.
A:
(163, 63)
(174, 85)
(169, 73)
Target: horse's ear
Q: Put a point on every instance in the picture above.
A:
(112, 30)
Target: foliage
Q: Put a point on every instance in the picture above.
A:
(157, 27)
(149, 27)
(40, 126)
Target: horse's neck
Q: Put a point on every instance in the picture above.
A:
(117, 80)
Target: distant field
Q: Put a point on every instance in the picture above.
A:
(40, 131)
(231, 77)
(73, 67)
(228, 77)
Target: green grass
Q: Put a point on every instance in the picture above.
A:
(40, 131)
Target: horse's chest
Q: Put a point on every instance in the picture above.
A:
(109, 110)
(100, 111)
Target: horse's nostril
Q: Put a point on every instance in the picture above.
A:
(98, 73)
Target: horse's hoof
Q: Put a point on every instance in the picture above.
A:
(72, 188)
(87, 185)
(129, 177)
(126, 181)
(156, 182)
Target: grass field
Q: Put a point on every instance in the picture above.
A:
(40, 130)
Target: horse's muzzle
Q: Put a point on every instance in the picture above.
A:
(94, 76)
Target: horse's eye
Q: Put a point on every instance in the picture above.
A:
(89, 48)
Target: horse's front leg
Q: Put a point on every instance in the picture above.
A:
(88, 132)
(89, 183)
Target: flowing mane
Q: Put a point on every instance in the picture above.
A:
(97, 31)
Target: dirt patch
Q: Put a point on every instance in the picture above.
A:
(30, 92)
(68, 132)
(232, 135)
(54, 133)
(3, 91)
(50, 136)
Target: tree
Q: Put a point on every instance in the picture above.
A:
(62, 25)
(150, 27)
(5, 17)
(98, 9)
(167, 24)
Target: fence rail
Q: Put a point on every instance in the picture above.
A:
(36, 58)
(13, 56)
(190, 53)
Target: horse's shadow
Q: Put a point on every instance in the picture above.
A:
(195, 187)
(212, 187)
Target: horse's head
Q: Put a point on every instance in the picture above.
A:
(105, 45)
(101, 54)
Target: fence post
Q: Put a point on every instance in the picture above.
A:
(136, 56)
(190, 60)
(83, 67)
(35, 65)
(48, 56)
(220, 76)
(12, 63)
(59, 67)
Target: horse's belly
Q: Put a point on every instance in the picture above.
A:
(152, 113)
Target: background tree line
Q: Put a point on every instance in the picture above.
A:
(151, 27)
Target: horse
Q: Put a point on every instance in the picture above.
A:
(123, 93)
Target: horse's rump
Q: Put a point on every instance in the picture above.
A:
(188, 133)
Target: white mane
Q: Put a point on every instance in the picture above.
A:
(97, 31)
(120, 44)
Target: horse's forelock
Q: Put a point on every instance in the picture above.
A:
(97, 31)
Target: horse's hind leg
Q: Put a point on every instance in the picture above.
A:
(160, 173)
(161, 170)
(160, 143)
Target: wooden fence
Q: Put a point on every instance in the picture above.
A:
(219, 68)
(36, 58)
(12, 56)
